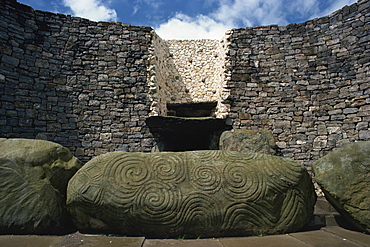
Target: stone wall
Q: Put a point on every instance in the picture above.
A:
(200, 66)
(79, 83)
(90, 86)
(164, 79)
(187, 71)
(308, 83)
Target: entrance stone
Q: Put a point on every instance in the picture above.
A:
(197, 193)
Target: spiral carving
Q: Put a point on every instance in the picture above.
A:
(240, 182)
(157, 202)
(192, 193)
(129, 171)
(169, 168)
(123, 175)
(205, 156)
(206, 178)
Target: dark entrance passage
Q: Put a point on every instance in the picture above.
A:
(186, 134)
(197, 109)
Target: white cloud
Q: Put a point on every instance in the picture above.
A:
(251, 12)
(153, 4)
(244, 13)
(91, 9)
(335, 5)
(303, 7)
(136, 9)
(226, 16)
(184, 27)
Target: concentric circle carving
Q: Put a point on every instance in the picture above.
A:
(127, 171)
(206, 178)
(240, 182)
(157, 203)
(169, 167)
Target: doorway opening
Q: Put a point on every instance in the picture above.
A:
(189, 127)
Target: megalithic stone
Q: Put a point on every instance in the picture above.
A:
(244, 140)
(344, 176)
(33, 182)
(196, 194)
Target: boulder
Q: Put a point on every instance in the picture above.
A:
(344, 177)
(33, 179)
(244, 140)
(194, 194)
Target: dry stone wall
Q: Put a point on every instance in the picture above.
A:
(90, 86)
(79, 83)
(164, 79)
(308, 83)
(187, 71)
(200, 66)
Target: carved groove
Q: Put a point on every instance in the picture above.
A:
(170, 169)
(157, 201)
(217, 193)
(206, 178)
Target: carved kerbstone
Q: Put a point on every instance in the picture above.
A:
(197, 193)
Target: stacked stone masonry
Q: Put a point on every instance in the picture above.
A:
(91, 85)
(186, 71)
(308, 83)
(79, 83)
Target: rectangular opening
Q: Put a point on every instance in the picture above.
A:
(196, 109)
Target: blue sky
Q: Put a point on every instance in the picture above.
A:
(193, 19)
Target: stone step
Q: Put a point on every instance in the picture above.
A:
(326, 212)
(323, 205)
(325, 215)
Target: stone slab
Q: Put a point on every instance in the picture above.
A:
(209, 194)
(78, 239)
(28, 240)
(265, 241)
(358, 237)
(323, 238)
(33, 179)
(343, 176)
(75, 239)
(328, 236)
(182, 243)
(245, 140)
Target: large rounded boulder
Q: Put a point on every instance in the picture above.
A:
(193, 194)
(244, 140)
(344, 177)
(33, 181)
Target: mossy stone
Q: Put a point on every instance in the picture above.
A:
(344, 176)
(198, 193)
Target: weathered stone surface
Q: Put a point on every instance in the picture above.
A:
(344, 176)
(33, 181)
(197, 193)
(244, 140)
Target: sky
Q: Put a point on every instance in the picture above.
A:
(193, 19)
